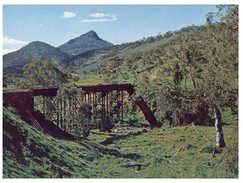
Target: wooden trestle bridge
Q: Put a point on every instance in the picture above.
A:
(106, 102)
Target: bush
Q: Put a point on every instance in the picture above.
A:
(105, 124)
(69, 111)
(85, 121)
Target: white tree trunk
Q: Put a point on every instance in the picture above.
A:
(219, 129)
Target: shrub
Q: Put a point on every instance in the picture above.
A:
(84, 120)
(104, 124)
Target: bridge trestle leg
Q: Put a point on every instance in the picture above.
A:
(122, 105)
(107, 106)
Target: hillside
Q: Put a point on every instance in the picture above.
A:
(83, 43)
(38, 51)
(182, 79)
(87, 52)
(91, 60)
(179, 152)
(29, 153)
(185, 152)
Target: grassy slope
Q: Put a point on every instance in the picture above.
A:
(90, 79)
(179, 152)
(166, 153)
(28, 152)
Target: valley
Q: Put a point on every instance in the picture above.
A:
(164, 106)
(179, 152)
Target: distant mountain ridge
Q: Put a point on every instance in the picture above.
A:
(92, 59)
(37, 51)
(85, 42)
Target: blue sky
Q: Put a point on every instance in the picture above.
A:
(56, 24)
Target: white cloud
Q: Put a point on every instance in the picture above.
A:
(68, 14)
(10, 44)
(100, 17)
(96, 20)
(7, 41)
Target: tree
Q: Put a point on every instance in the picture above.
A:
(42, 74)
(109, 70)
(8, 78)
(210, 63)
(70, 112)
(194, 76)
(222, 59)
(168, 34)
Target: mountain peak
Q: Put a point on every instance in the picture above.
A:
(85, 42)
(37, 43)
(91, 34)
(35, 50)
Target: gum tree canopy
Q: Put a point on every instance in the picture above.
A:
(43, 74)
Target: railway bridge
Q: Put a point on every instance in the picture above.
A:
(106, 102)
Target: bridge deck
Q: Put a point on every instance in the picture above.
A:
(89, 88)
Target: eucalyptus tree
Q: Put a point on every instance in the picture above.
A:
(221, 76)
(42, 74)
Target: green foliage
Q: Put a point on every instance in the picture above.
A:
(84, 118)
(7, 79)
(109, 69)
(223, 58)
(104, 124)
(42, 74)
(186, 78)
(29, 153)
(78, 120)
(229, 117)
